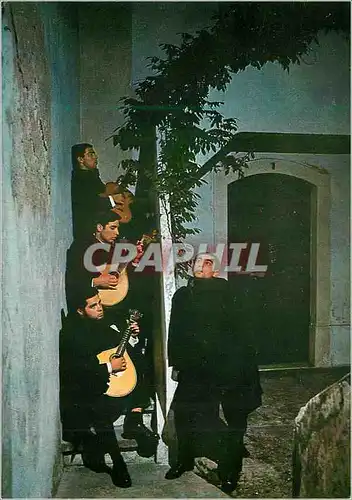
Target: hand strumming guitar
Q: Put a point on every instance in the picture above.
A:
(118, 364)
(106, 281)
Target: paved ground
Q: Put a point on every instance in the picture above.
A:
(147, 482)
(266, 474)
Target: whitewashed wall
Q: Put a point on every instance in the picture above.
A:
(41, 118)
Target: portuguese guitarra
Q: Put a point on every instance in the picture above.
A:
(123, 382)
(114, 295)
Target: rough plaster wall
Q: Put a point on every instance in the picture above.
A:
(338, 167)
(340, 261)
(105, 41)
(32, 114)
(154, 23)
(322, 444)
(313, 98)
(37, 227)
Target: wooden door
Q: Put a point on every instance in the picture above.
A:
(275, 211)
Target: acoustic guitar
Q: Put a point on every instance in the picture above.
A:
(121, 383)
(112, 296)
(122, 199)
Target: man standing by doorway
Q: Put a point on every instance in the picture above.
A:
(215, 366)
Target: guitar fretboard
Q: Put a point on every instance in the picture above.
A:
(134, 316)
(122, 346)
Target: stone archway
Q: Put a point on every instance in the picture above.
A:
(319, 335)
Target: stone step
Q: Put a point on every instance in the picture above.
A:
(148, 481)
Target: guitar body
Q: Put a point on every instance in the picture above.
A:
(122, 199)
(112, 296)
(120, 383)
(122, 207)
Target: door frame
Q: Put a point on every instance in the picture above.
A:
(319, 178)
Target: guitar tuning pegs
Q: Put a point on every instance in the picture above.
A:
(135, 315)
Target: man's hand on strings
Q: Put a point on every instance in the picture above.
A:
(106, 281)
(118, 364)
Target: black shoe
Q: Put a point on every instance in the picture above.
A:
(134, 427)
(94, 463)
(229, 482)
(147, 443)
(179, 469)
(147, 440)
(138, 430)
(120, 476)
(228, 486)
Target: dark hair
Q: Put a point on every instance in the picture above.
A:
(105, 217)
(102, 212)
(78, 150)
(78, 294)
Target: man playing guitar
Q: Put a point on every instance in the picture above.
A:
(87, 412)
(107, 231)
(85, 186)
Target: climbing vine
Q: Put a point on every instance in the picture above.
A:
(174, 99)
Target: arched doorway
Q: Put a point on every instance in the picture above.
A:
(274, 210)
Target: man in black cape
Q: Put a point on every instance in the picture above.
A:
(215, 365)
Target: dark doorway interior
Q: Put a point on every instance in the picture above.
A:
(275, 211)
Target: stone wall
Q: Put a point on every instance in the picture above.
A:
(40, 122)
(321, 456)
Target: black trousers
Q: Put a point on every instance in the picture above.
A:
(140, 397)
(90, 421)
(200, 430)
(100, 437)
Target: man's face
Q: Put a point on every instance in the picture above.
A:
(89, 160)
(93, 308)
(109, 232)
(203, 267)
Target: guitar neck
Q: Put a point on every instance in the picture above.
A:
(122, 346)
(145, 238)
(122, 266)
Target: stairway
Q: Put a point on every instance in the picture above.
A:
(127, 446)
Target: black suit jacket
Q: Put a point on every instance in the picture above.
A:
(205, 343)
(85, 188)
